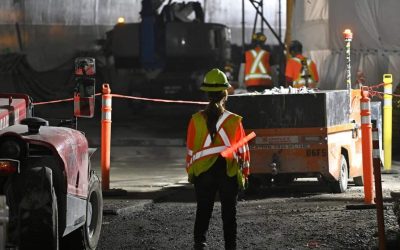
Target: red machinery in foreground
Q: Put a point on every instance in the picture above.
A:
(53, 195)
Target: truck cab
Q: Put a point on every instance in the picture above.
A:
(169, 51)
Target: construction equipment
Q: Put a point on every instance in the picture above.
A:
(13, 108)
(169, 51)
(53, 195)
(309, 134)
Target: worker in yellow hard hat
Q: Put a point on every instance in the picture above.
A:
(257, 72)
(210, 132)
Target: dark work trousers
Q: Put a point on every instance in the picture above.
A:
(206, 186)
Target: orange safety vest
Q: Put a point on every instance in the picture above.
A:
(202, 152)
(257, 69)
(302, 72)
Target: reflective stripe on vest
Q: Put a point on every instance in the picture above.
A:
(207, 149)
(225, 115)
(206, 152)
(301, 79)
(257, 64)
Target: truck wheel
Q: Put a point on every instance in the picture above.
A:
(340, 185)
(39, 227)
(94, 213)
(358, 181)
(88, 235)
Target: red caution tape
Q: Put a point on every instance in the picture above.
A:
(126, 97)
(51, 102)
(158, 100)
(378, 94)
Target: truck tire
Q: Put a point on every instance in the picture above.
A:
(340, 185)
(38, 211)
(94, 213)
(40, 229)
(87, 236)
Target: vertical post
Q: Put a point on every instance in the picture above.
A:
(262, 14)
(21, 48)
(279, 19)
(366, 146)
(106, 137)
(243, 41)
(348, 37)
(378, 189)
(387, 121)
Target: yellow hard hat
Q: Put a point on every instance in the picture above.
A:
(215, 80)
(259, 37)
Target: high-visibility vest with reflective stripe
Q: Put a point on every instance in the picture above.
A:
(204, 152)
(257, 68)
(306, 76)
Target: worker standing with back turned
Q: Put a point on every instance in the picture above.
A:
(300, 70)
(257, 72)
(210, 132)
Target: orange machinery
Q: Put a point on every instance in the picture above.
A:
(303, 135)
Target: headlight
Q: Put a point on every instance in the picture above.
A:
(10, 149)
(8, 166)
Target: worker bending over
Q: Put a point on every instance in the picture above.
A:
(257, 72)
(210, 132)
(300, 71)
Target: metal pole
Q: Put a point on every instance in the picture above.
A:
(262, 14)
(266, 22)
(282, 46)
(243, 30)
(255, 24)
(279, 20)
(19, 38)
(378, 189)
(348, 37)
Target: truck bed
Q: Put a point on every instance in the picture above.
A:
(301, 110)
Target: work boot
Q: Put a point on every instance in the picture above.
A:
(200, 246)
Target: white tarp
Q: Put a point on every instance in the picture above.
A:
(319, 25)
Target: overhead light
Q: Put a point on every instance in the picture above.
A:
(347, 34)
(183, 42)
(121, 19)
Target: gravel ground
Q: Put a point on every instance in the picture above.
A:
(303, 216)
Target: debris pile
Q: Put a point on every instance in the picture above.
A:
(276, 90)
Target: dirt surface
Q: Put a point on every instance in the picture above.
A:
(302, 216)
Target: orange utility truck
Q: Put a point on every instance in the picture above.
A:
(311, 134)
